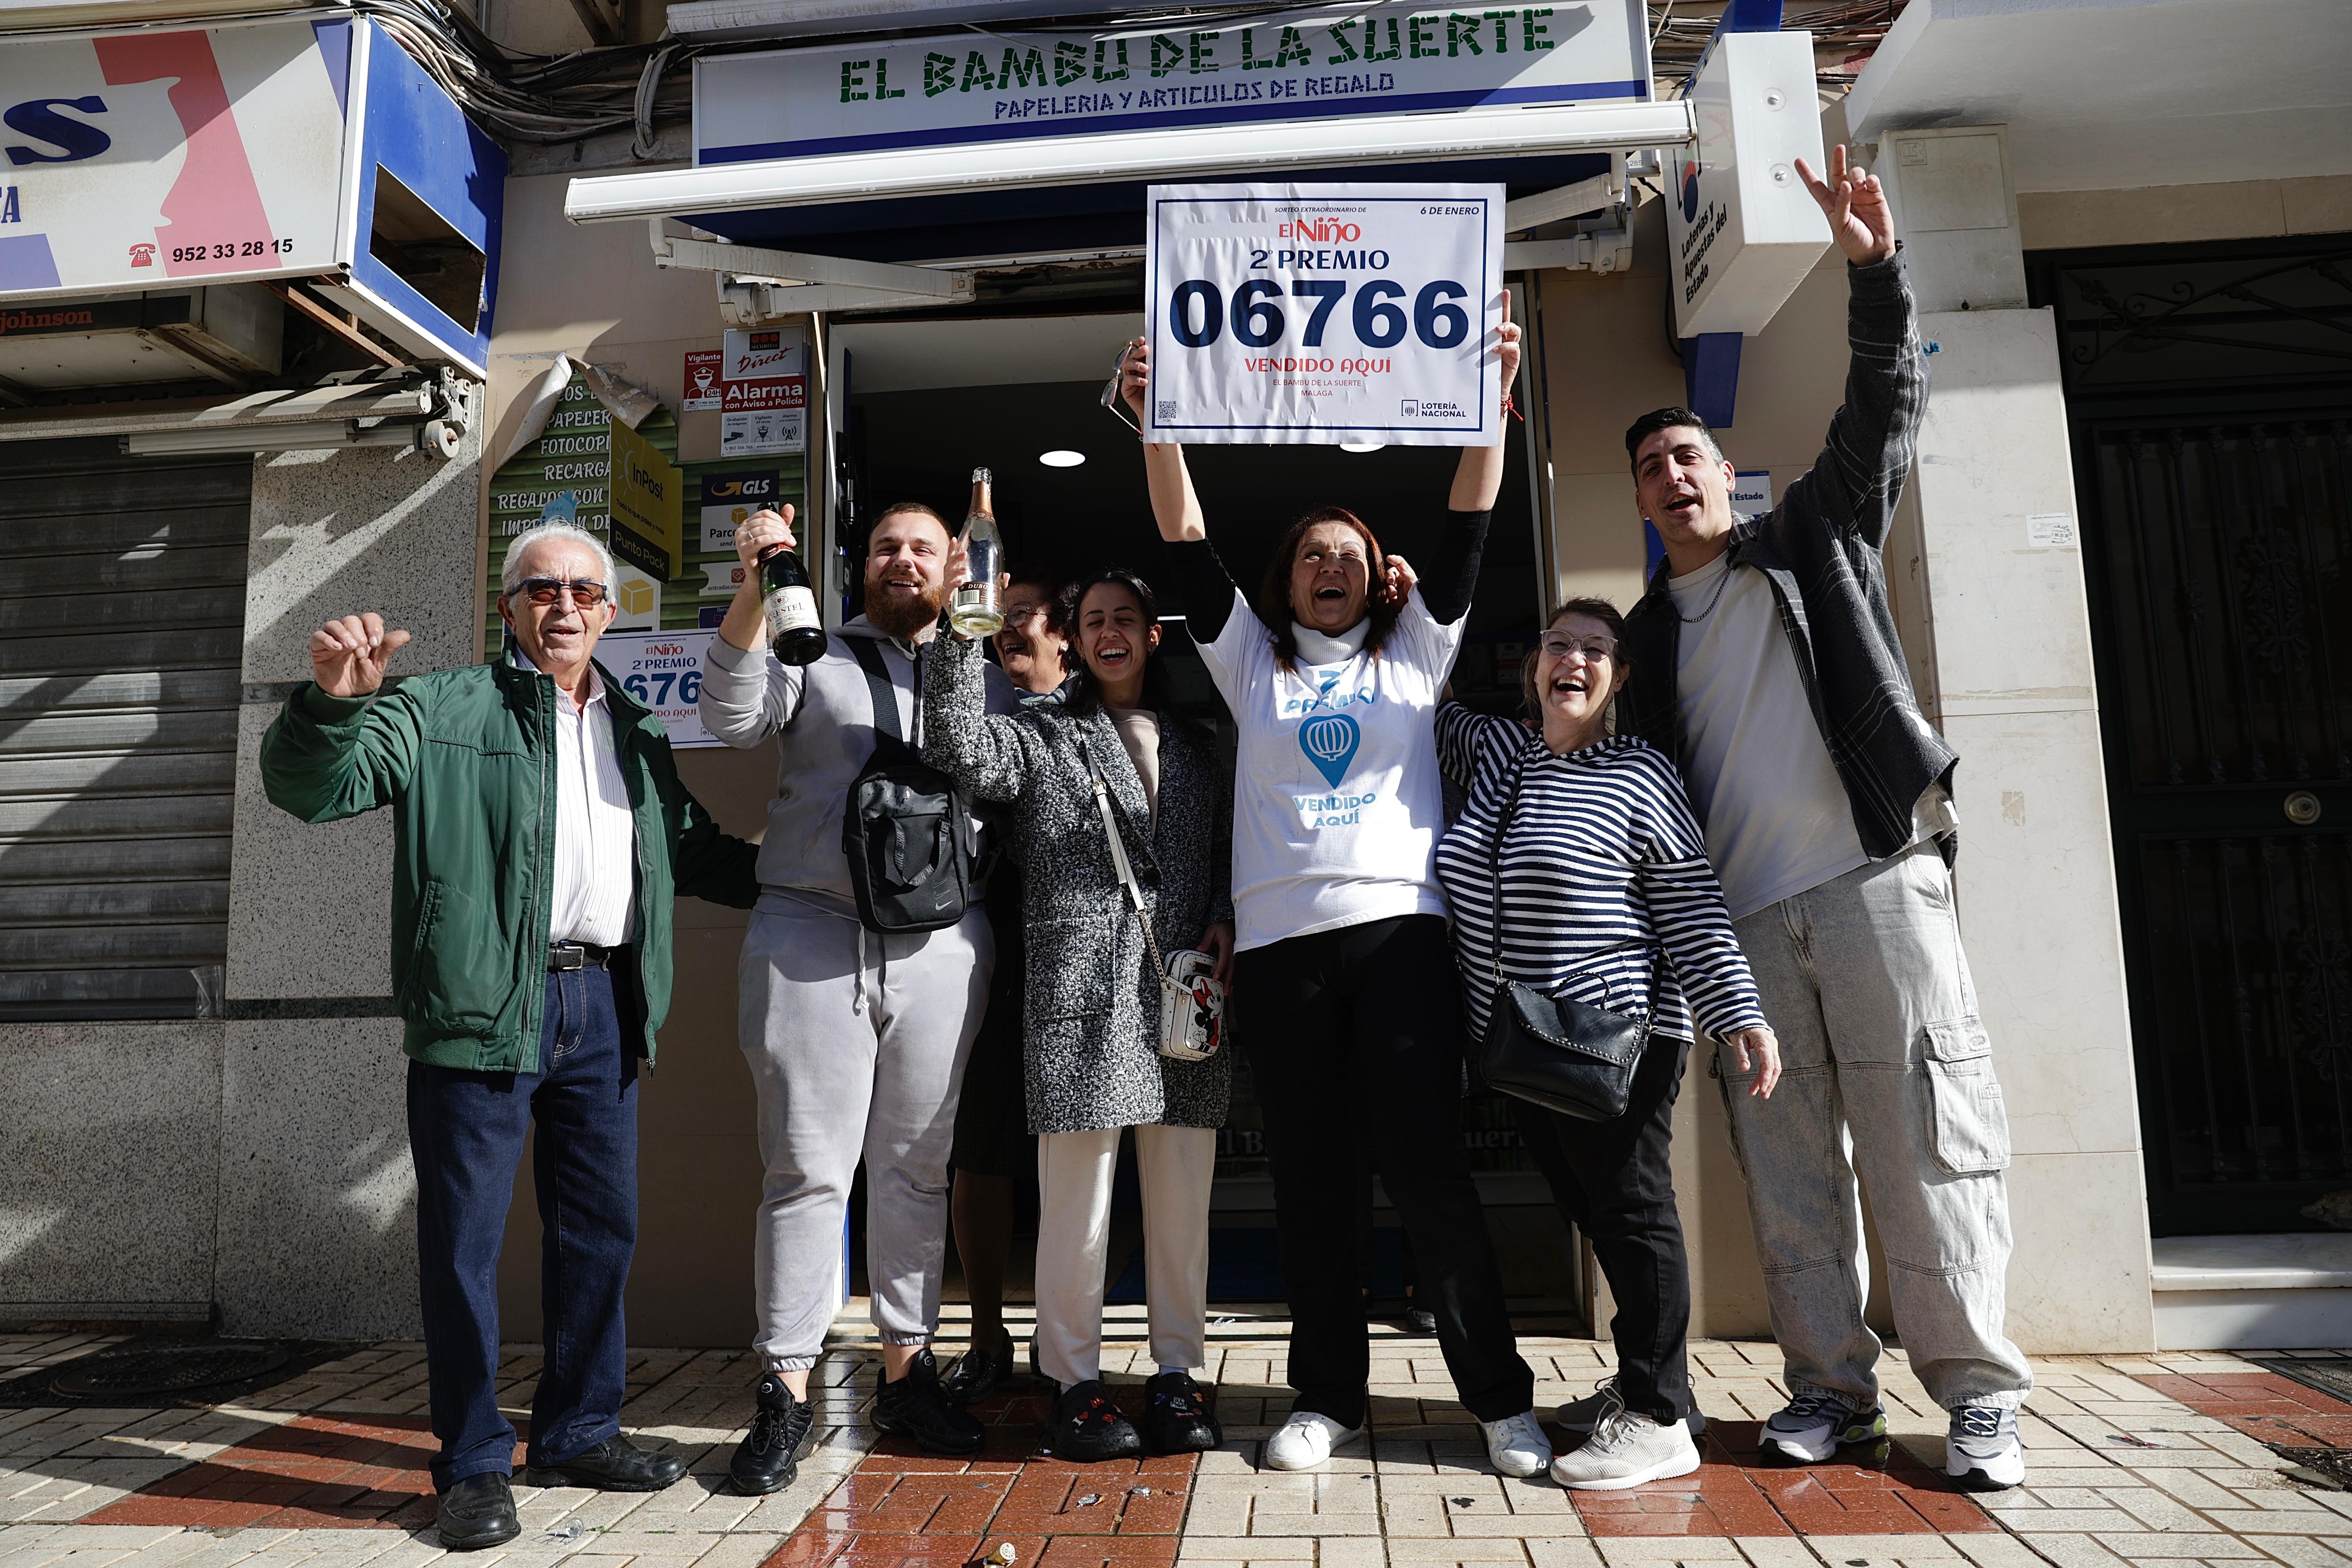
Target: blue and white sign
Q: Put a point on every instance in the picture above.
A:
(664, 671)
(1309, 65)
(1292, 313)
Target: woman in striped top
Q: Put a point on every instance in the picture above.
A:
(1599, 848)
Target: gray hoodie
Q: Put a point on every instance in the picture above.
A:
(821, 715)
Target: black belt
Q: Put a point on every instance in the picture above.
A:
(564, 956)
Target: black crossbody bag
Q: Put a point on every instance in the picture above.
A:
(1553, 1051)
(907, 833)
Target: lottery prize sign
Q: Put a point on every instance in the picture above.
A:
(1297, 313)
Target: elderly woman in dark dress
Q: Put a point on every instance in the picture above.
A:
(1092, 1018)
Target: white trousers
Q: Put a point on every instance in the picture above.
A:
(1074, 1181)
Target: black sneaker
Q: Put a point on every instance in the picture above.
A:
(1085, 1425)
(477, 1511)
(1178, 1420)
(977, 1374)
(769, 1456)
(915, 1407)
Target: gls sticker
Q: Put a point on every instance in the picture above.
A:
(38, 119)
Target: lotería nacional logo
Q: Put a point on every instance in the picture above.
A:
(1331, 744)
(1690, 189)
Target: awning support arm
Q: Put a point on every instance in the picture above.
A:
(1568, 201)
(754, 264)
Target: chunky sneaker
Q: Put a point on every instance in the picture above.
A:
(915, 1407)
(769, 1456)
(1983, 1452)
(1815, 1425)
(1516, 1445)
(1626, 1448)
(1177, 1419)
(1583, 1415)
(1307, 1440)
(1086, 1427)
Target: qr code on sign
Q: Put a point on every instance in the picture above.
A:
(1167, 409)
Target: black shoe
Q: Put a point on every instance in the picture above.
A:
(976, 1374)
(477, 1511)
(915, 1407)
(769, 1456)
(614, 1465)
(1085, 1425)
(1178, 1420)
(1420, 1320)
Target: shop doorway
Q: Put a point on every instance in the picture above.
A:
(926, 401)
(2209, 396)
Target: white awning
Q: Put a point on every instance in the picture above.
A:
(1257, 149)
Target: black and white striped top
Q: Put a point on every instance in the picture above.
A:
(1601, 848)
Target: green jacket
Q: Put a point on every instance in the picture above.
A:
(465, 758)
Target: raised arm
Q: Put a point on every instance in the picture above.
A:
(1478, 477)
(1175, 506)
(747, 696)
(1858, 479)
(335, 750)
(985, 754)
(1462, 735)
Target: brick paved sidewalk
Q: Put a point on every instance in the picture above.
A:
(2141, 1459)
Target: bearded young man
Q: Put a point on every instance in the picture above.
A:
(856, 1039)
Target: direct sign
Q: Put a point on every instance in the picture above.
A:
(1741, 229)
(1287, 314)
(1007, 84)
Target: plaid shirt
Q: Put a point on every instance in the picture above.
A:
(1819, 549)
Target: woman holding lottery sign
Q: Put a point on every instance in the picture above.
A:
(1344, 973)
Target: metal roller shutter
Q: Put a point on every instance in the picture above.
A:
(121, 632)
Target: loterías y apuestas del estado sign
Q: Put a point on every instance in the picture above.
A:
(1005, 85)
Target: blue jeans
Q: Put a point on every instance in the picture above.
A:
(466, 1132)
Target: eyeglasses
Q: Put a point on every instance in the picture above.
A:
(1023, 610)
(1559, 645)
(585, 592)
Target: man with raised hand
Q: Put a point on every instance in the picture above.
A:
(1765, 660)
(856, 1037)
(539, 833)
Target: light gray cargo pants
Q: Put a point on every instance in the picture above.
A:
(1888, 1070)
(856, 1042)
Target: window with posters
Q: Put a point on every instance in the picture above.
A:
(655, 643)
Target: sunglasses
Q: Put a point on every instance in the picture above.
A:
(586, 593)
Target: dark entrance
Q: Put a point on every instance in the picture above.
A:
(2209, 398)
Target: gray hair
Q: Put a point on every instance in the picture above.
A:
(510, 576)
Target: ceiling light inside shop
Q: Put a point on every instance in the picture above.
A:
(1061, 458)
(1363, 446)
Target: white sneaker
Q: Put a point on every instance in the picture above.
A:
(1580, 1416)
(1305, 1440)
(1626, 1450)
(1983, 1452)
(1812, 1426)
(1516, 1445)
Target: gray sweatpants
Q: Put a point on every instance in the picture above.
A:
(1888, 1070)
(856, 1042)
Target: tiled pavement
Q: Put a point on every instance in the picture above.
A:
(2140, 1459)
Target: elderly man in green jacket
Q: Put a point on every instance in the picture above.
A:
(541, 833)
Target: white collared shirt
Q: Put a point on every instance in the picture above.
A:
(595, 833)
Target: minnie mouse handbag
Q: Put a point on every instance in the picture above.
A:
(1191, 998)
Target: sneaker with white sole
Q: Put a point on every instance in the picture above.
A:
(1814, 1426)
(1516, 1445)
(1983, 1452)
(1305, 1440)
(1583, 1415)
(1627, 1448)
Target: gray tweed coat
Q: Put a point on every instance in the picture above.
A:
(1092, 1024)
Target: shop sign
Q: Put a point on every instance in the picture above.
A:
(1324, 313)
(763, 392)
(702, 383)
(1751, 492)
(646, 505)
(664, 671)
(1741, 229)
(729, 496)
(1306, 65)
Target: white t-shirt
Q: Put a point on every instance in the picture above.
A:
(1337, 805)
(1777, 818)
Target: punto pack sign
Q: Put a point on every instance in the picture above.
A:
(133, 160)
(971, 86)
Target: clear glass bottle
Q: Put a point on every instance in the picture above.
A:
(977, 610)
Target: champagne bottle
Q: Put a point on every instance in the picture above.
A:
(796, 630)
(976, 612)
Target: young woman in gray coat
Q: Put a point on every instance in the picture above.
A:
(1092, 1020)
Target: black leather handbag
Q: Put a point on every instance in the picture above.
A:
(1554, 1051)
